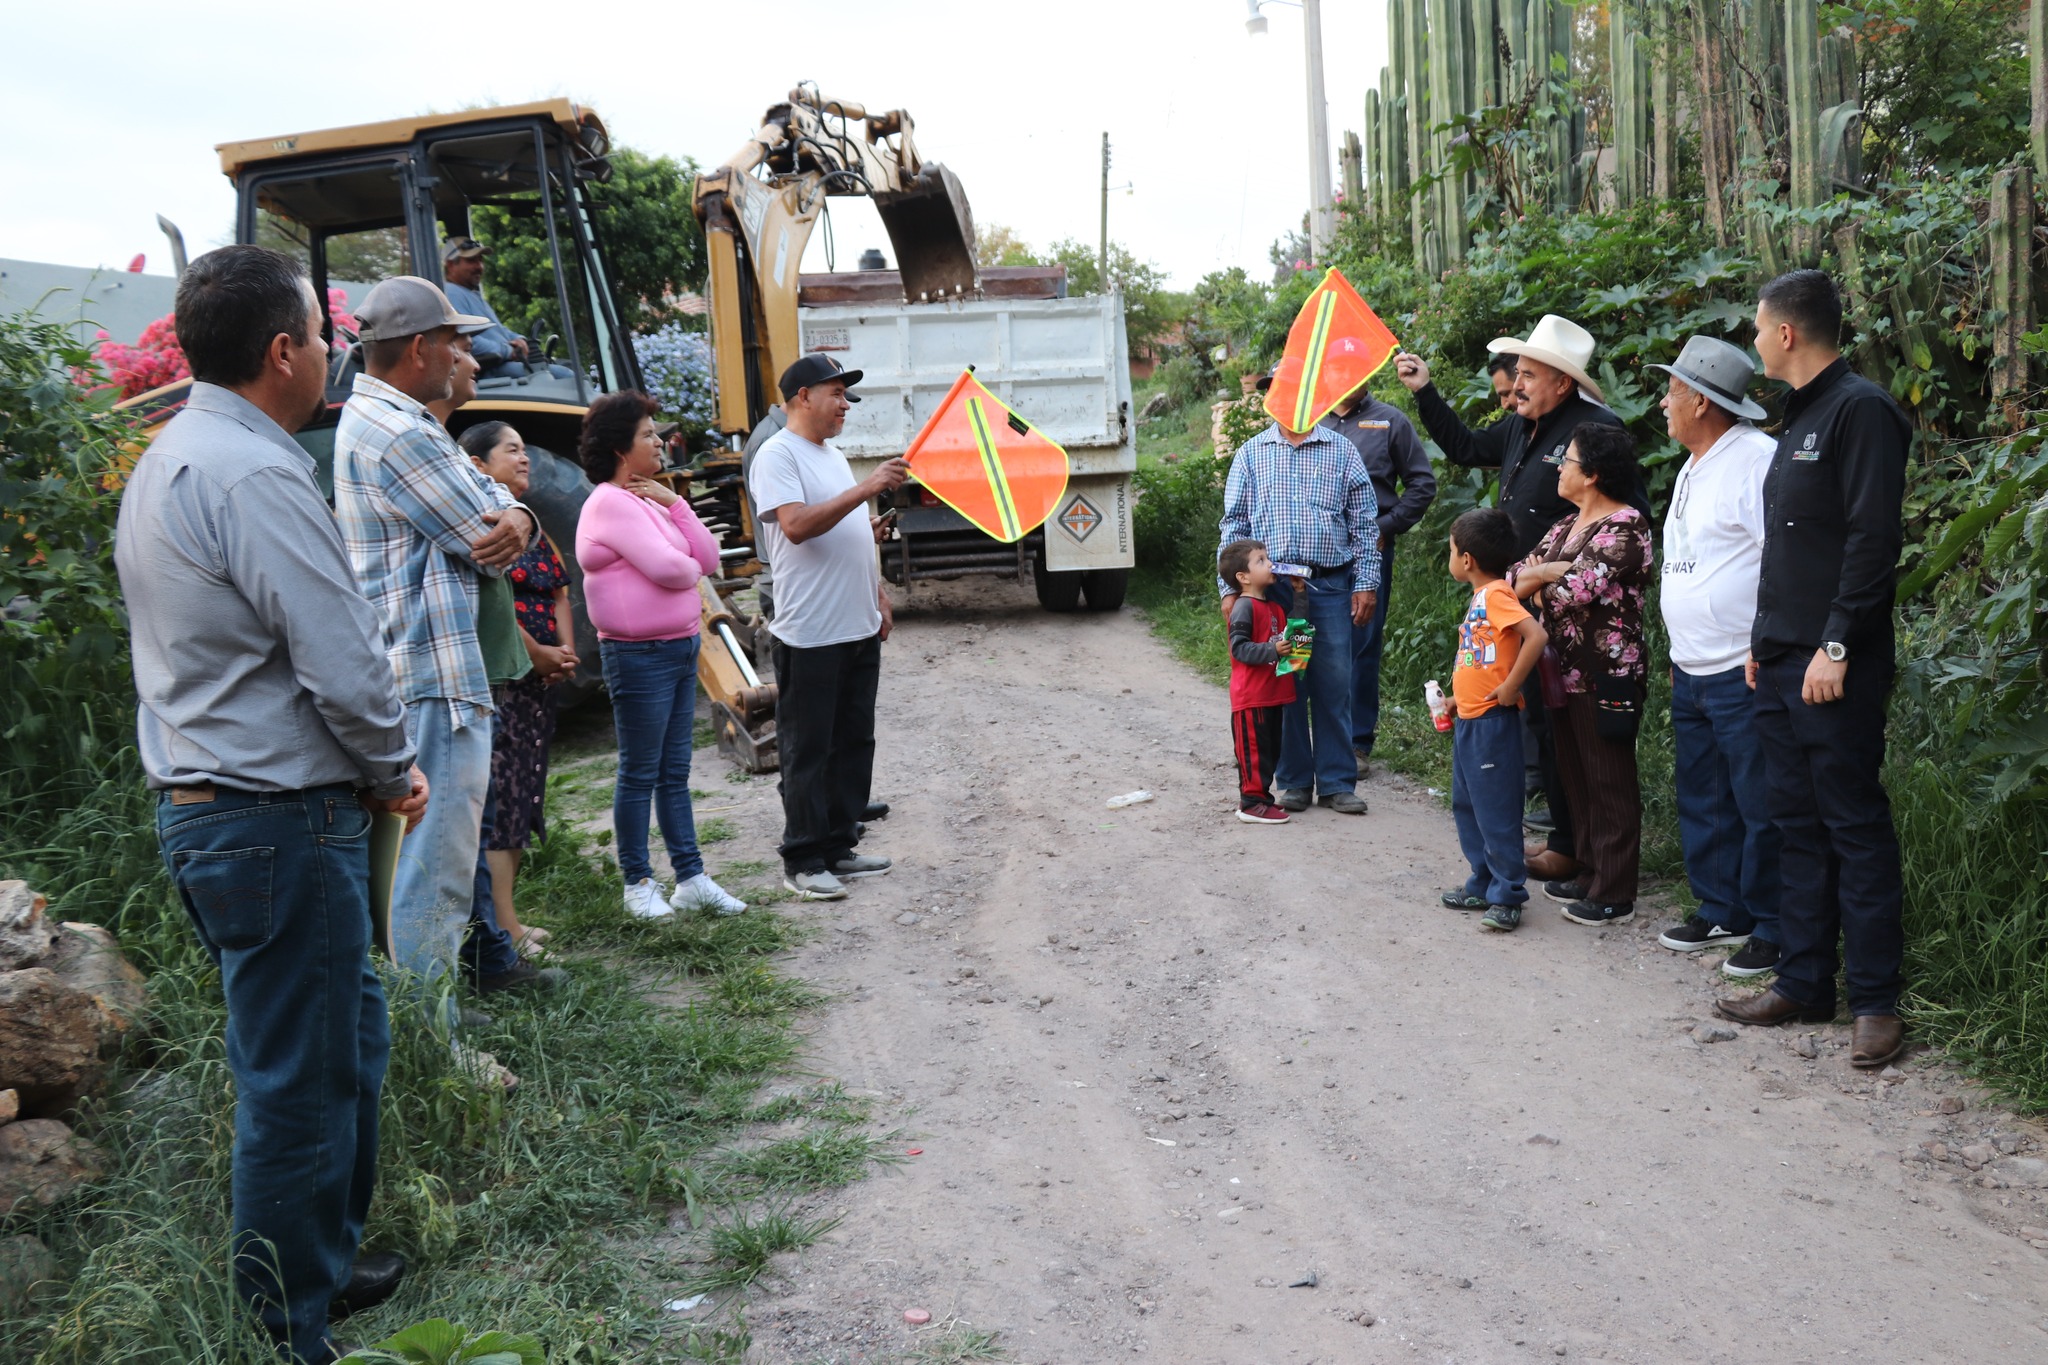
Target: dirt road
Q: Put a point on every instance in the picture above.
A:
(1163, 1065)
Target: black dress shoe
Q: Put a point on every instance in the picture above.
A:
(373, 1279)
(876, 810)
(1769, 1009)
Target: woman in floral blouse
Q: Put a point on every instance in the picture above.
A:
(1589, 576)
(525, 723)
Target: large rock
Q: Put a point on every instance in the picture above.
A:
(66, 997)
(86, 957)
(26, 937)
(49, 1040)
(41, 1161)
(28, 1270)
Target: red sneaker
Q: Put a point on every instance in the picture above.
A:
(1263, 815)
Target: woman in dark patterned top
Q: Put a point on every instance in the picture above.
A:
(525, 723)
(1589, 575)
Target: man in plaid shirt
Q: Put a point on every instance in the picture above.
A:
(420, 523)
(1306, 496)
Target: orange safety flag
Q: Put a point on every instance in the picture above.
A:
(1336, 344)
(987, 463)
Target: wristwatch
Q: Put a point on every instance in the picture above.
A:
(1836, 651)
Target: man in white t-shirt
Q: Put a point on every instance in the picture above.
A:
(831, 616)
(1712, 547)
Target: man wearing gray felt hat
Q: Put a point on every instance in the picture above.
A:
(1712, 557)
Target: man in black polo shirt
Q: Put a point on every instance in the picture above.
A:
(1821, 661)
(1554, 397)
(1393, 457)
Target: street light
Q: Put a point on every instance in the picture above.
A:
(1321, 215)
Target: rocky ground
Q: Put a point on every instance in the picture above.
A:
(1190, 1089)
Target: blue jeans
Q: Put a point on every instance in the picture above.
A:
(1368, 643)
(1317, 754)
(1724, 818)
(1486, 801)
(486, 949)
(436, 882)
(278, 886)
(653, 684)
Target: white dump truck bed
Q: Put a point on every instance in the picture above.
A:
(1061, 363)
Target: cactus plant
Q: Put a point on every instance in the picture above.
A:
(1629, 89)
(1351, 158)
(1663, 102)
(1413, 46)
(2037, 71)
(1448, 89)
(2012, 281)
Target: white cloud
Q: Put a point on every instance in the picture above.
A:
(115, 109)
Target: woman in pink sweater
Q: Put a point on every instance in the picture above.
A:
(642, 550)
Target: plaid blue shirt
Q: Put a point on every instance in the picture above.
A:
(410, 506)
(1309, 504)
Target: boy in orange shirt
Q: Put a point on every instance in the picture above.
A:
(1498, 643)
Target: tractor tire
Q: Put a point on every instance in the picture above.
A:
(1056, 591)
(1105, 588)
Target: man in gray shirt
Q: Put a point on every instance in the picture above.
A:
(270, 726)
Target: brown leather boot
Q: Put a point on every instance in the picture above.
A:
(1546, 866)
(1769, 1010)
(1876, 1040)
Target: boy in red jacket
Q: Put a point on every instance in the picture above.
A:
(1257, 692)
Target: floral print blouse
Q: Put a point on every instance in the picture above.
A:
(1595, 612)
(535, 576)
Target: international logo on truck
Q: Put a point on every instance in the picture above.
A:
(1080, 519)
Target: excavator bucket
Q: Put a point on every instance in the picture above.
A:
(932, 231)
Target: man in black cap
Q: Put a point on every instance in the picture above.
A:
(831, 616)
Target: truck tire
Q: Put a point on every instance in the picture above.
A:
(1105, 588)
(1056, 591)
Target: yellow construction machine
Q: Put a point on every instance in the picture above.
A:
(416, 179)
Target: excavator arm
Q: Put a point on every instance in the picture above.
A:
(759, 207)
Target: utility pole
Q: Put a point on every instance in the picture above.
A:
(1102, 250)
(1321, 216)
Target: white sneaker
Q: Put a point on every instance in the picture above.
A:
(701, 893)
(815, 886)
(643, 900)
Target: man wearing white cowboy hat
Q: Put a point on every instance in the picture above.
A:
(1554, 397)
(1713, 545)
(1554, 394)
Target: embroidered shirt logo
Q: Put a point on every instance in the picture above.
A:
(1810, 449)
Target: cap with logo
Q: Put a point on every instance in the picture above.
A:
(406, 305)
(1718, 372)
(463, 249)
(816, 369)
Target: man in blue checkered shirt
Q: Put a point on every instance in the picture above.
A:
(1306, 496)
(420, 523)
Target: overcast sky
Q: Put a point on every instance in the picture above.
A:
(114, 108)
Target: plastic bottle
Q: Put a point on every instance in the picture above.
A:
(1439, 707)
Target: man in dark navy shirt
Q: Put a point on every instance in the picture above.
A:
(1821, 661)
(1394, 458)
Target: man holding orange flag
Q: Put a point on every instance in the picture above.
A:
(1307, 497)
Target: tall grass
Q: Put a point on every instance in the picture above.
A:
(544, 1211)
(1976, 904)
